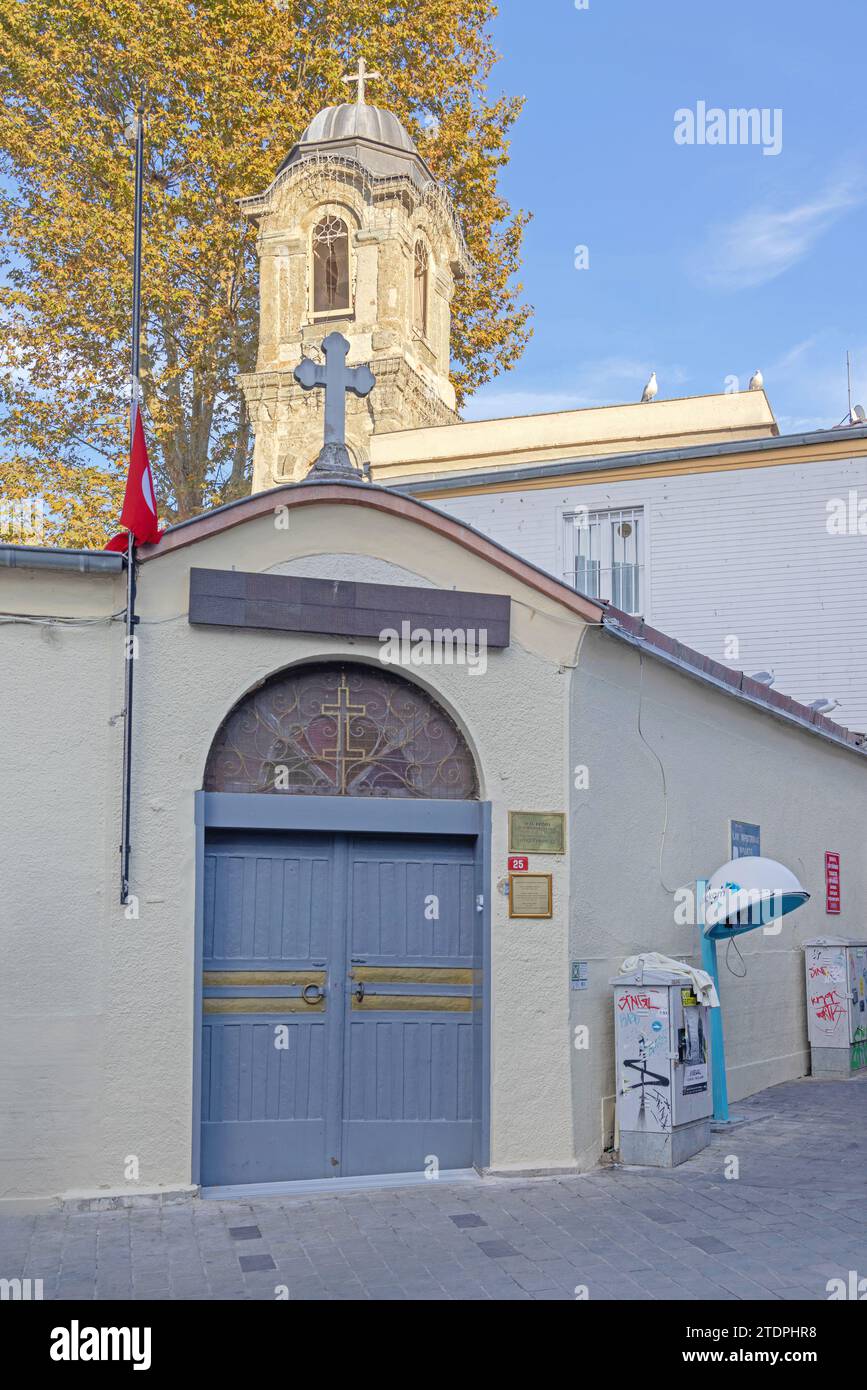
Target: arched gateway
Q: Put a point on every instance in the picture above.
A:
(341, 940)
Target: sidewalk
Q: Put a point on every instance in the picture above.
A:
(795, 1217)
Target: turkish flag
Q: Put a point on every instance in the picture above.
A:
(139, 513)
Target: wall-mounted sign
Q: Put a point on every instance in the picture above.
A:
(530, 895)
(518, 863)
(578, 978)
(832, 883)
(344, 608)
(746, 839)
(537, 832)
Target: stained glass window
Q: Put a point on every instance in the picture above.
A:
(341, 730)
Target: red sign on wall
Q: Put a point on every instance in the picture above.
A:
(832, 882)
(518, 864)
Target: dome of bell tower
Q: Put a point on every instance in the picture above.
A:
(351, 121)
(371, 135)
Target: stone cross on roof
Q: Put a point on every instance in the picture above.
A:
(337, 379)
(361, 77)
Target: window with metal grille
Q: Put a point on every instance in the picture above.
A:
(420, 294)
(330, 266)
(605, 556)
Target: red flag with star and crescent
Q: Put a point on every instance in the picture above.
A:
(139, 514)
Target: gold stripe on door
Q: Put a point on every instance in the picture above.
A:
(263, 977)
(413, 975)
(263, 1004)
(415, 1003)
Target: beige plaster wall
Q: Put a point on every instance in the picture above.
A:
(99, 1009)
(96, 1008)
(721, 760)
(61, 692)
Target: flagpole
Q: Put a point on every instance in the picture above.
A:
(131, 618)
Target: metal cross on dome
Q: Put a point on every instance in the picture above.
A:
(362, 76)
(337, 379)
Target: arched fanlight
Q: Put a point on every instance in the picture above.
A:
(341, 729)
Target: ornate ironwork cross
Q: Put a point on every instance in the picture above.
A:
(337, 379)
(343, 752)
(361, 77)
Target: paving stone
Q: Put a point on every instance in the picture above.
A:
(710, 1244)
(254, 1262)
(497, 1249)
(795, 1217)
(663, 1218)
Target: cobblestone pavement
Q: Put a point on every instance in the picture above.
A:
(795, 1217)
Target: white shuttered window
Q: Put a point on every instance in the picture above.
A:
(605, 556)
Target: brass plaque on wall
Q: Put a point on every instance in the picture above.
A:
(530, 895)
(537, 832)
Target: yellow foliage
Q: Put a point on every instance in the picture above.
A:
(229, 86)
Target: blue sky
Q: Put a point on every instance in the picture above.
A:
(704, 260)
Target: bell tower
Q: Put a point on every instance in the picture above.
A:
(355, 236)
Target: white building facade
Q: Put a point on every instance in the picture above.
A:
(752, 554)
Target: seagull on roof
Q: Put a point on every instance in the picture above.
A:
(757, 381)
(823, 705)
(650, 389)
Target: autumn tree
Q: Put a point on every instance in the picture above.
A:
(228, 87)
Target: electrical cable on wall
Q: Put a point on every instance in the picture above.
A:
(738, 974)
(51, 620)
(670, 891)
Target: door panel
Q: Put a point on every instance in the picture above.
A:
(413, 990)
(269, 907)
(266, 900)
(390, 886)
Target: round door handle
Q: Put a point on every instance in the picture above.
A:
(312, 998)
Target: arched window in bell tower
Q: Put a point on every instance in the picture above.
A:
(420, 287)
(330, 265)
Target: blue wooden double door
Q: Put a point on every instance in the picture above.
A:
(341, 1005)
